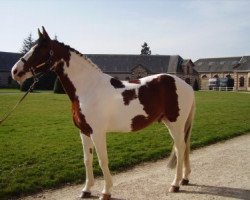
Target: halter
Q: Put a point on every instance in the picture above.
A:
(32, 69)
(35, 80)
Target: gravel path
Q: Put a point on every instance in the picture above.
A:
(220, 171)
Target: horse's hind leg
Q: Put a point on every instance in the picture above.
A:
(188, 129)
(88, 149)
(177, 133)
(186, 164)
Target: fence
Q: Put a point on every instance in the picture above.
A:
(222, 88)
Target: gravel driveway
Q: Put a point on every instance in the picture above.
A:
(220, 171)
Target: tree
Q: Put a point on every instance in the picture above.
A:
(145, 49)
(27, 44)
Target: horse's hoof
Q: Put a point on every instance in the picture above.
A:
(184, 181)
(174, 189)
(105, 197)
(85, 195)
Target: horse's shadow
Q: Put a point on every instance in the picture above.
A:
(220, 191)
(236, 193)
(97, 197)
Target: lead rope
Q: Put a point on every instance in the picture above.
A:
(36, 79)
(23, 97)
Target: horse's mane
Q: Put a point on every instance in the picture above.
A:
(78, 53)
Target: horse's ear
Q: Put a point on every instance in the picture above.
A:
(40, 34)
(45, 34)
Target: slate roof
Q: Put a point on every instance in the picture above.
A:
(125, 63)
(227, 64)
(115, 63)
(7, 60)
(244, 64)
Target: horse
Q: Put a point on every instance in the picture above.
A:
(101, 104)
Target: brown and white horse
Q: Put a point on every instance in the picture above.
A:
(101, 104)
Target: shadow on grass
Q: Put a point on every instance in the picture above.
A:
(236, 193)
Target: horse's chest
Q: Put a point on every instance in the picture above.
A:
(79, 119)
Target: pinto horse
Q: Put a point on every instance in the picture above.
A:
(101, 104)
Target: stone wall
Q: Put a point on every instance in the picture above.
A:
(241, 81)
(5, 79)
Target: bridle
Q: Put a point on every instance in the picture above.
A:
(32, 69)
(36, 78)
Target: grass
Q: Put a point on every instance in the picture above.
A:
(40, 147)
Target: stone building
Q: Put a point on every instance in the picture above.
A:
(7, 60)
(123, 67)
(242, 74)
(236, 68)
(128, 67)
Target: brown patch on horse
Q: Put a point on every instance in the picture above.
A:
(78, 117)
(116, 83)
(136, 81)
(139, 122)
(159, 99)
(21, 73)
(128, 95)
(63, 52)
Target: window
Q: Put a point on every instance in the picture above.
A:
(234, 63)
(204, 77)
(210, 63)
(242, 80)
(187, 69)
(216, 76)
(249, 82)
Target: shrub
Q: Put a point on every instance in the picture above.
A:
(58, 88)
(196, 85)
(26, 84)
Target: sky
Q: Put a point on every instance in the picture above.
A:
(189, 28)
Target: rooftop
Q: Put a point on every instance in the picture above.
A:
(226, 64)
(118, 63)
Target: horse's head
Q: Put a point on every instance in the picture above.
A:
(40, 58)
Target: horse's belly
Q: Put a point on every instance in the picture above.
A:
(122, 117)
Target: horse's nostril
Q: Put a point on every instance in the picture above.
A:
(15, 71)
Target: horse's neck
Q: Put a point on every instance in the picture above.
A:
(85, 76)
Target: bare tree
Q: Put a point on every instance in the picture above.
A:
(27, 44)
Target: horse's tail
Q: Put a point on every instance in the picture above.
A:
(188, 129)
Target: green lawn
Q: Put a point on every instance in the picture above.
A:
(41, 148)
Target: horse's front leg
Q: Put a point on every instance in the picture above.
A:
(99, 140)
(88, 149)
